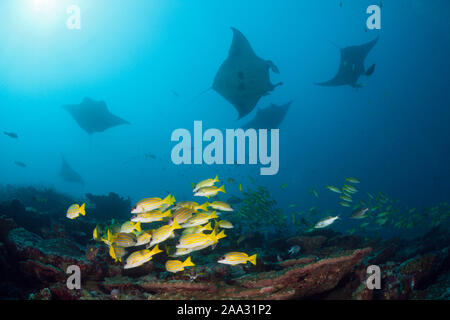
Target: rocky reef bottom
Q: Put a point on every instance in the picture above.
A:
(36, 250)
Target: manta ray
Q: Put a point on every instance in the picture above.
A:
(269, 118)
(243, 78)
(68, 174)
(352, 66)
(93, 116)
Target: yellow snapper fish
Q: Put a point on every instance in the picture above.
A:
(123, 239)
(197, 229)
(75, 210)
(151, 216)
(209, 191)
(225, 224)
(117, 253)
(182, 215)
(140, 257)
(175, 266)
(144, 238)
(334, 189)
(235, 258)
(346, 198)
(314, 192)
(181, 252)
(325, 222)
(221, 206)
(130, 226)
(149, 204)
(345, 204)
(352, 180)
(163, 233)
(205, 183)
(199, 219)
(349, 188)
(191, 205)
(199, 240)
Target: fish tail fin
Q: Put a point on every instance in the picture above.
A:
(109, 236)
(138, 226)
(221, 235)
(214, 215)
(175, 225)
(222, 189)
(204, 206)
(83, 209)
(252, 259)
(156, 249)
(167, 199)
(208, 227)
(216, 179)
(112, 253)
(172, 200)
(188, 262)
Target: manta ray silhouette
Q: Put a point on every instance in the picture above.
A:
(269, 118)
(68, 174)
(352, 66)
(93, 116)
(243, 78)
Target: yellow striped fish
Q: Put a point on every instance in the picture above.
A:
(199, 219)
(116, 252)
(163, 233)
(225, 224)
(352, 180)
(140, 257)
(181, 252)
(175, 266)
(197, 229)
(129, 227)
(221, 206)
(149, 204)
(151, 216)
(234, 258)
(124, 240)
(334, 189)
(209, 191)
(205, 183)
(199, 239)
(191, 205)
(75, 210)
(144, 238)
(182, 215)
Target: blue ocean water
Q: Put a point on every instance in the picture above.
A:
(149, 60)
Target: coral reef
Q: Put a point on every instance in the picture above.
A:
(36, 248)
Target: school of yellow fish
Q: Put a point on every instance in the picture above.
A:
(195, 220)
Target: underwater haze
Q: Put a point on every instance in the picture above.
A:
(380, 143)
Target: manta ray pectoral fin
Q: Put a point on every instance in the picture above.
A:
(370, 71)
(273, 66)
